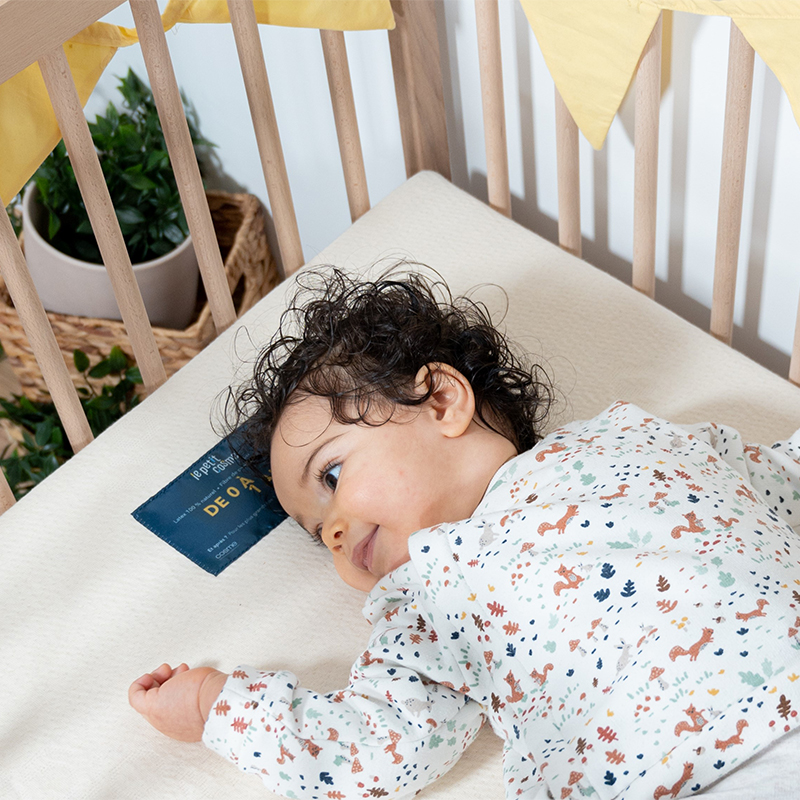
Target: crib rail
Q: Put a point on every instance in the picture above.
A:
(262, 111)
(344, 115)
(181, 153)
(89, 174)
(569, 179)
(731, 193)
(417, 72)
(648, 100)
(487, 17)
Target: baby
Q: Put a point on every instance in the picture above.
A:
(620, 599)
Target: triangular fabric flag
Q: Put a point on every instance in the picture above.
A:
(592, 47)
(28, 129)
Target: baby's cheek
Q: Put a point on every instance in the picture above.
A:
(352, 576)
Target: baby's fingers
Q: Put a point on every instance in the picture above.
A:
(137, 692)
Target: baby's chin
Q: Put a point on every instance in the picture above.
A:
(382, 569)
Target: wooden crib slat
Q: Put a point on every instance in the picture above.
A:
(344, 114)
(569, 189)
(89, 174)
(417, 71)
(184, 163)
(648, 101)
(494, 117)
(41, 337)
(731, 190)
(259, 97)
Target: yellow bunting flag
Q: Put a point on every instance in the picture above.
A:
(592, 47)
(28, 129)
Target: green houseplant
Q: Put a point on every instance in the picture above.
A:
(43, 444)
(136, 166)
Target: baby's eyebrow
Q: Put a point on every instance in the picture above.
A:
(312, 456)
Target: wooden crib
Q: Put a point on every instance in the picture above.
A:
(91, 599)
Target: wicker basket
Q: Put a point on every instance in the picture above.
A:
(239, 222)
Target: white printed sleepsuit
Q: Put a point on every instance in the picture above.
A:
(623, 607)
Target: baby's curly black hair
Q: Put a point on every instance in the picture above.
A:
(361, 344)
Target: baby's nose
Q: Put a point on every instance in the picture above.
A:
(334, 535)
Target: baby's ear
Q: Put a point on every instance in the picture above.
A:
(452, 400)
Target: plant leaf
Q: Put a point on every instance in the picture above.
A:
(100, 403)
(100, 370)
(161, 247)
(174, 234)
(27, 405)
(117, 360)
(43, 431)
(138, 181)
(157, 157)
(130, 215)
(53, 224)
(81, 360)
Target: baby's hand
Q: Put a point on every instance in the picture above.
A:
(177, 701)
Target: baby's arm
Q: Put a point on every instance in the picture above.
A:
(397, 726)
(394, 729)
(773, 471)
(309, 745)
(177, 701)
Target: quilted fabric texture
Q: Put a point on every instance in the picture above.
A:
(89, 599)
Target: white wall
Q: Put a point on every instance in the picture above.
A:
(689, 154)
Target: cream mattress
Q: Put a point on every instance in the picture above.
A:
(90, 599)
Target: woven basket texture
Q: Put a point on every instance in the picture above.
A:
(240, 226)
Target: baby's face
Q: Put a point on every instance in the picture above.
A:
(364, 490)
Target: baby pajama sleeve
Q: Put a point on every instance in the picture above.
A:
(391, 728)
(774, 472)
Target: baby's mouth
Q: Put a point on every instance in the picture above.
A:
(362, 557)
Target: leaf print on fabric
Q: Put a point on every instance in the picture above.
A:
(496, 610)
(607, 571)
(751, 678)
(606, 734)
(784, 707)
(223, 707)
(239, 725)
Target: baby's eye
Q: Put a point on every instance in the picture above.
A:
(330, 476)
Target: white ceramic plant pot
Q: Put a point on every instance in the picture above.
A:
(70, 286)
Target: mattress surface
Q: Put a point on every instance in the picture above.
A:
(90, 599)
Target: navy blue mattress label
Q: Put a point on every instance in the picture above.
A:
(213, 512)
